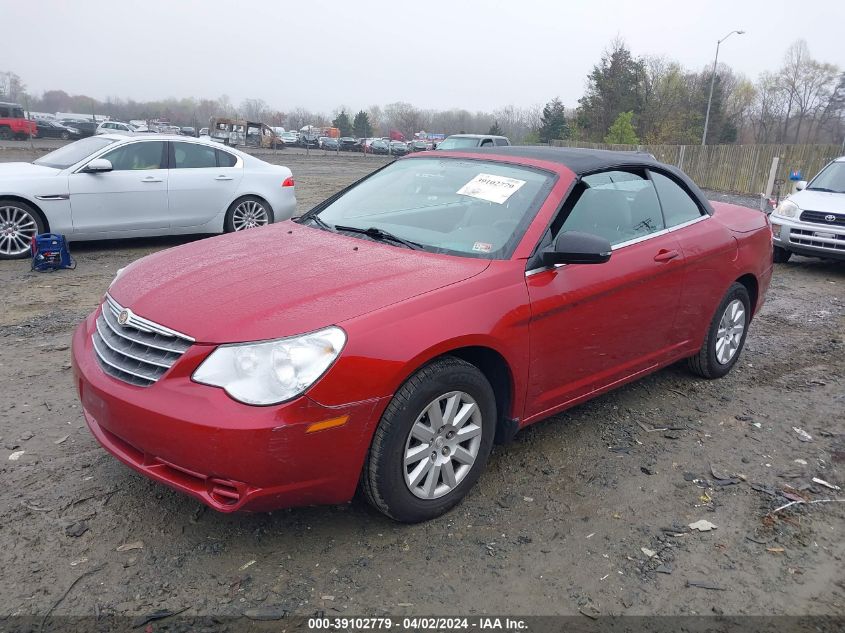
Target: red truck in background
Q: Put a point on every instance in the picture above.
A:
(13, 122)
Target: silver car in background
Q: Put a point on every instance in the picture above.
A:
(811, 221)
(110, 186)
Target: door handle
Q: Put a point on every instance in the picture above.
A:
(151, 179)
(664, 255)
(223, 178)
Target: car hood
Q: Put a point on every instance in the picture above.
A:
(823, 201)
(25, 170)
(277, 281)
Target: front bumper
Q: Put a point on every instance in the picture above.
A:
(230, 456)
(808, 238)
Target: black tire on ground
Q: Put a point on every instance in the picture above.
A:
(383, 479)
(229, 223)
(5, 133)
(32, 213)
(705, 363)
(65, 136)
(781, 255)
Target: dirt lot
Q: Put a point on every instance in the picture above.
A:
(558, 524)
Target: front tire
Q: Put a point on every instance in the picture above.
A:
(780, 255)
(432, 443)
(726, 335)
(248, 212)
(19, 223)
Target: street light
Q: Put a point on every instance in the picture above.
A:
(712, 81)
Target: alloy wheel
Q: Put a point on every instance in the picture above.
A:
(442, 445)
(248, 215)
(17, 228)
(731, 329)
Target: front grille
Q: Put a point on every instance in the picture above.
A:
(818, 217)
(138, 352)
(809, 238)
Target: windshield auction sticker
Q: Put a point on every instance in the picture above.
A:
(491, 188)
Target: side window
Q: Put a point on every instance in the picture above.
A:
(193, 156)
(501, 141)
(225, 159)
(144, 155)
(486, 142)
(677, 205)
(616, 205)
(4, 112)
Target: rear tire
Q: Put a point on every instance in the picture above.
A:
(247, 213)
(781, 255)
(432, 442)
(725, 337)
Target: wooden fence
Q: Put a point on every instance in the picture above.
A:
(733, 168)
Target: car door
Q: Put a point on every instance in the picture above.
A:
(130, 199)
(594, 325)
(202, 183)
(706, 244)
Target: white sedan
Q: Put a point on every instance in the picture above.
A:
(109, 186)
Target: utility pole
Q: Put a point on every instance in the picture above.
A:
(712, 82)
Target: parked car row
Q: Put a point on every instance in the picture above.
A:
(381, 146)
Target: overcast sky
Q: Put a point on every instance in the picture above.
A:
(433, 53)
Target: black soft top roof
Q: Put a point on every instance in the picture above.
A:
(585, 161)
(581, 161)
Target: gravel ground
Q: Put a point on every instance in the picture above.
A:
(564, 521)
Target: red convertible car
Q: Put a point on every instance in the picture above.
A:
(388, 337)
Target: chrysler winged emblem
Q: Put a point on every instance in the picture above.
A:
(124, 316)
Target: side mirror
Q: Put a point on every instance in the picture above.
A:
(98, 165)
(800, 185)
(574, 247)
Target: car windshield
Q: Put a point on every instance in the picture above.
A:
(68, 155)
(458, 143)
(463, 207)
(831, 178)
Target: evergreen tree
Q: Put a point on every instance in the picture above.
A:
(342, 123)
(622, 131)
(495, 130)
(361, 126)
(553, 123)
(613, 87)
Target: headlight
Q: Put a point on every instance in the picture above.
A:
(274, 371)
(73, 130)
(787, 209)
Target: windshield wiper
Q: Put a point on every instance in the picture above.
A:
(380, 235)
(823, 189)
(319, 222)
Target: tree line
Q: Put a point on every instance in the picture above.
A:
(627, 99)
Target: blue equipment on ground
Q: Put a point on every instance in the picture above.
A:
(50, 252)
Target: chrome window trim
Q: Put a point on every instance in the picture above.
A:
(643, 238)
(542, 269)
(705, 216)
(637, 240)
